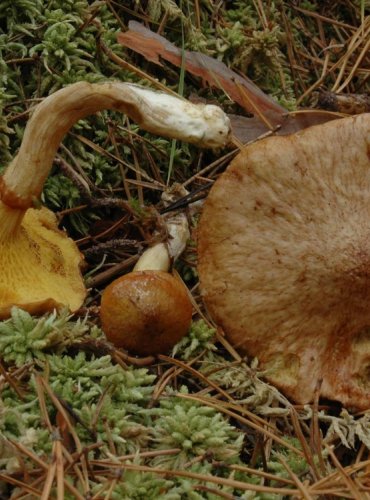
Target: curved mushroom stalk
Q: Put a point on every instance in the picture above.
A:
(284, 259)
(40, 264)
(157, 112)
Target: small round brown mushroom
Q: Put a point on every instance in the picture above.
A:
(149, 310)
(145, 312)
(284, 259)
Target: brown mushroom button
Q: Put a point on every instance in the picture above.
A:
(284, 259)
(145, 312)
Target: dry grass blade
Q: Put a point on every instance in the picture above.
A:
(112, 272)
(59, 468)
(315, 432)
(239, 408)
(196, 373)
(224, 160)
(250, 104)
(358, 38)
(305, 447)
(150, 454)
(346, 477)
(20, 484)
(262, 474)
(131, 67)
(38, 461)
(200, 477)
(61, 409)
(333, 479)
(111, 487)
(13, 384)
(323, 18)
(169, 374)
(104, 152)
(30, 454)
(302, 488)
(232, 403)
(45, 495)
(72, 464)
(353, 70)
(42, 402)
(213, 491)
(342, 59)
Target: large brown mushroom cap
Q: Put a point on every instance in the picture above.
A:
(39, 265)
(284, 259)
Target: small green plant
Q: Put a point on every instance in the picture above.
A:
(200, 337)
(197, 430)
(24, 338)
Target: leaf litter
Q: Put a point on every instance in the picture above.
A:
(81, 419)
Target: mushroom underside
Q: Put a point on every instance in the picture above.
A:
(284, 259)
(39, 266)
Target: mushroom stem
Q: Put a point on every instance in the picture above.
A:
(148, 310)
(155, 258)
(10, 221)
(156, 112)
(160, 256)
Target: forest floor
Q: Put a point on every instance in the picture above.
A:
(82, 419)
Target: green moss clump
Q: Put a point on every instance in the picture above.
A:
(199, 338)
(24, 338)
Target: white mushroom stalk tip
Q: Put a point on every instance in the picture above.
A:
(160, 256)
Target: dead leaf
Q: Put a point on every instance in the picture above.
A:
(269, 116)
(213, 72)
(249, 129)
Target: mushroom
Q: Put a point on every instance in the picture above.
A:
(145, 312)
(148, 310)
(284, 259)
(40, 264)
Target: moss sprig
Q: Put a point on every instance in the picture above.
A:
(197, 430)
(24, 338)
(200, 337)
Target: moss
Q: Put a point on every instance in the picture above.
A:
(135, 485)
(106, 403)
(195, 429)
(200, 337)
(24, 338)
(45, 46)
